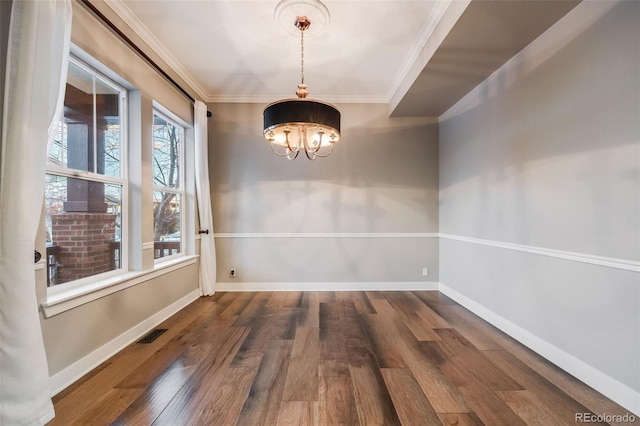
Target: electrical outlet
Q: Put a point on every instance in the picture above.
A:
(425, 272)
(233, 272)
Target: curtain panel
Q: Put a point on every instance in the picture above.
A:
(36, 69)
(203, 195)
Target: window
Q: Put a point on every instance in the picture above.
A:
(85, 187)
(168, 186)
(101, 187)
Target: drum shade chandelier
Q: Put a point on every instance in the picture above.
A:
(301, 124)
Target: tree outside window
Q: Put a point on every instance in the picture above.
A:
(168, 186)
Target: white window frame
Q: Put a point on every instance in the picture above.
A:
(122, 181)
(169, 117)
(62, 298)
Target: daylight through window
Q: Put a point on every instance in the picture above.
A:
(85, 185)
(168, 186)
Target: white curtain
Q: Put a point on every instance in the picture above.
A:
(37, 57)
(207, 242)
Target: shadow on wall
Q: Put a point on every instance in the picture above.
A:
(545, 152)
(559, 97)
(382, 176)
(374, 149)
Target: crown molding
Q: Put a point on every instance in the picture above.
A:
(147, 36)
(267, 99)
(441, 20)
(437, 13)
(410, 68)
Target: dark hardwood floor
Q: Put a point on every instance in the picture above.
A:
(319, 358)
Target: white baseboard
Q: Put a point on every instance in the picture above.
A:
(611, 388)
(75, 371)
(327, 286)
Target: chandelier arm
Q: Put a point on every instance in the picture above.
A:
(311, 155)
(298, 144)
(302, 133)
(317, 148)
(327, 154)
(295, 151)
(286, 139)
(309, 148)
(278, 153)
(290, 148)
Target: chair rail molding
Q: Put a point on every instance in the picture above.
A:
(609, 262)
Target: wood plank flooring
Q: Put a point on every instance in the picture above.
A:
(321, 358)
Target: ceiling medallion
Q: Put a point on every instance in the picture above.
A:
(301, 124)
(287, 12)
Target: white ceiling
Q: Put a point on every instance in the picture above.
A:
(371, 51)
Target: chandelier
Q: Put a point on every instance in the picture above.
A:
(301, 124)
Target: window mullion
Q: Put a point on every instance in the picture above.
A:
(95, 128)
(84, 175)
(166, 189)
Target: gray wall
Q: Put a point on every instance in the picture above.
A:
(72, 335)
(546, 153)
(382, 178)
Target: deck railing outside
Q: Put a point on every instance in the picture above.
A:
(160, 249)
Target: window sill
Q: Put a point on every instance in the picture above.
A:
(66, 300)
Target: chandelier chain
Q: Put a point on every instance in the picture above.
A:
(302, 56)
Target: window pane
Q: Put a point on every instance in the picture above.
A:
(83, 226)
(166, 153)
(89, 138)
(111, 154)
(167, 223)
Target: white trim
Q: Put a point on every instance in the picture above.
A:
(64, 300)
(57, 170)
(608, 386)
(412, 64)
(168, 115)
(148, 245)
(442, 19)
(121, 9)
(75, 371)
(189, 209)
(325, 235)
(609, 262)
(328, 286)
(536, 54)
(267, 99)
(40, 265)
(436, 15)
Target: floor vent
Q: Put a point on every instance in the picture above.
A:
(153, 335)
